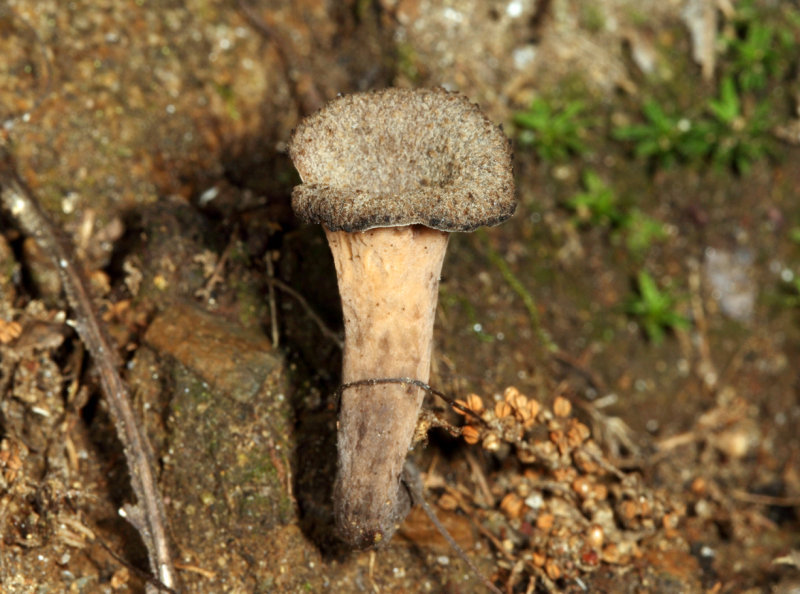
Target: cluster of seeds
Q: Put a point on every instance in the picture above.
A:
(565, 508)
(9, 331)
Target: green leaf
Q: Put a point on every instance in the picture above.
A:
(727, 107)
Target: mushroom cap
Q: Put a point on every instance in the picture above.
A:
(399, 157)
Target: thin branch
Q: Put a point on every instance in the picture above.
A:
(411, 480)
(273, 309)
(147, 515)
(760, 499)
(311, 313)
(217, 275)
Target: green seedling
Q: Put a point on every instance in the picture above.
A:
(753, 56)
(555, 134)
(597, 205)
(741, 139)
(665, 138)
(727, 134)
(655, 309)
(641, 231)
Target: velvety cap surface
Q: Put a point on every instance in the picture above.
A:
(400, 157)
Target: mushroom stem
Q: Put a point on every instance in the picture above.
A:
(388, 282)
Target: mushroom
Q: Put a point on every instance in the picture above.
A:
(389, 174)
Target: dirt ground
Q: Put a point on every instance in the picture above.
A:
(629, 339)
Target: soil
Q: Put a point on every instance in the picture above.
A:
(598, 458)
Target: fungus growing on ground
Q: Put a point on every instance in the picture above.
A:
(389, 174)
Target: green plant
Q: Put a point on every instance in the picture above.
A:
(641, 231)
(728, 134)
(555, 134)
(753, 55)
(740, 138)
(654, 308)
(597, 205)
(665, 138)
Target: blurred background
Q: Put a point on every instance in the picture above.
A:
(629, 338)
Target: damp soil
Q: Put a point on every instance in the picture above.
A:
(155, 135)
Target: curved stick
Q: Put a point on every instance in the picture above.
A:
(147, 516)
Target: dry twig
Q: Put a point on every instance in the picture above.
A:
(413, 482)
(311, 313)
(273, 308)
(147, 515)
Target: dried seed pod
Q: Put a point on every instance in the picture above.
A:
(585, 463)
(512, 505)
(520, 406)
(545, 522)
(526, 456)
(699, 486)
(538, 558)
(611, 553)
(599, 492)
(491, 442)
(595, 536)
(564, 475)
(100, 282)
(560, 440)
(562, 407)
(523, 489)
(534, 407)
(511, 394)
(583, 487)
(546, 450)
(532, 475)
(573, 438)
(10, 461)
(628, 510)
(9, 331)
(475, 403)
(552, 569)
(502, 409)
(577, 433)
(470, 434)
(583, 430)
(516, 400)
